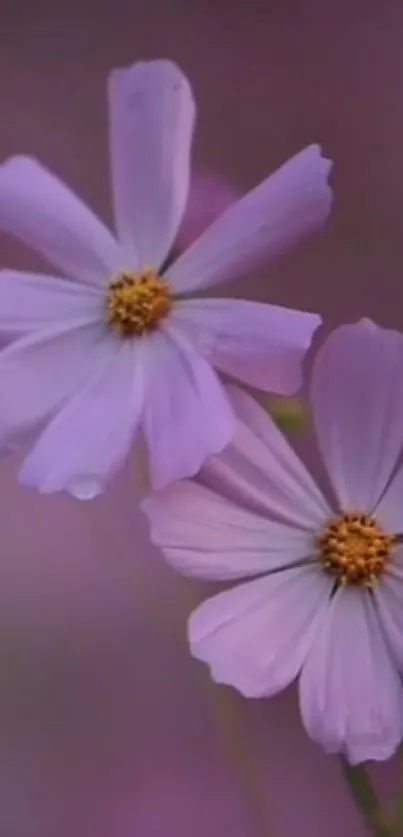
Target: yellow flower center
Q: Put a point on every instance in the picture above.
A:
(354, 549)
(137, 302)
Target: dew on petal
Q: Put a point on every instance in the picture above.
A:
(85, 487)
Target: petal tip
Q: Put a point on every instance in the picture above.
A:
(149, 74)
(316, 152)
(18, 162)
(319, 168)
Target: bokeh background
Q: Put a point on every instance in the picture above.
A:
(107, 728)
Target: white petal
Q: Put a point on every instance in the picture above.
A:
(292, 202)
(204, 535)
(37, 208)
(88, 440)
(256, 636)
(357, 399)
(350, 692)
(151, 124)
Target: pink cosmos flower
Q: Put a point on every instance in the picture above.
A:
(326, 603)
(117, 345)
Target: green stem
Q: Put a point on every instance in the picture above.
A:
(225, 705)
(366, 800)
(228, 712)
(227, 709)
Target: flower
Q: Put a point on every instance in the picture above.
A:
(115, 346)
(325, 603)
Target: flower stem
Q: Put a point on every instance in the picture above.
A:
(366, 800)
(227, 709)
(230, 719)
(225, 704)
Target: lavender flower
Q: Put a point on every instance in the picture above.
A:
(115, 347)
(326, 605)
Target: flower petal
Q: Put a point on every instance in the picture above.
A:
(292, 202)
(388, 595)
(357, 400)
(204, 535)
(261, 470)
(350, 692)
(88, 440)
(151, 125)
(30, 301)
(256, 636)
(40, 371)
(261, 345)
(187, 414)
(389, 510)
(37, 208)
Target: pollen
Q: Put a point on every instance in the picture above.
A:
(137, 302)
(354, 549)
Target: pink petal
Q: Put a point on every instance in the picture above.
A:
(256, 636)
(40, 371)
(36, 207)
(350, 692)
(187, 414)
(388, 595)
(204, 535)
(261, 470)
(292, 202)
(357, 399)
(151, 125)
(88, 440)
(30, 301)
(261, 345)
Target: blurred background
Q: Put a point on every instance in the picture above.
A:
(107, 728)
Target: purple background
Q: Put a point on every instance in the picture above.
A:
(106, 726)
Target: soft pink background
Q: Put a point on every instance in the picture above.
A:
(106, 727)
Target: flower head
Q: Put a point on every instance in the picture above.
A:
(325, 603)
(115, 347)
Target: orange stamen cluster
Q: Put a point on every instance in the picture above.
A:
(354, 549)
(136, 302)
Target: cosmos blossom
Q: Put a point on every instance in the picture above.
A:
(325, 599)
(117, 346)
